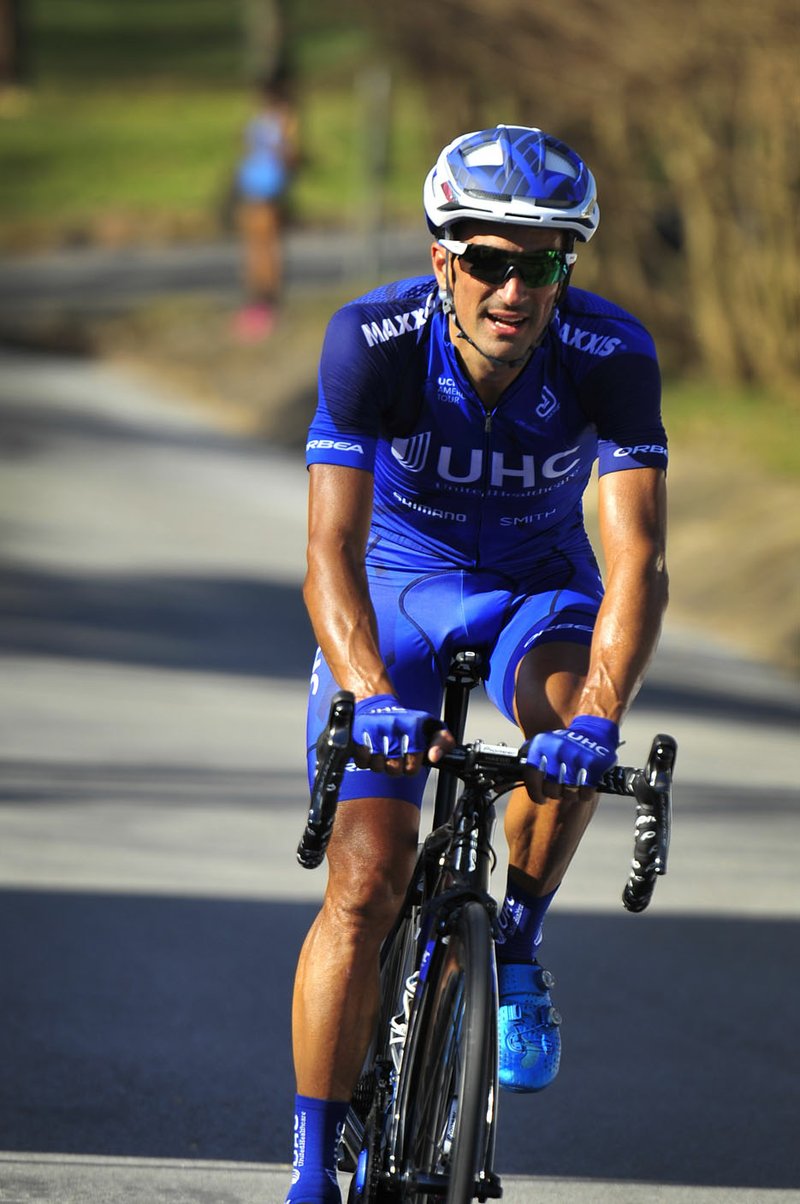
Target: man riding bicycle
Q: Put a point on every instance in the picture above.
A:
(459, 418)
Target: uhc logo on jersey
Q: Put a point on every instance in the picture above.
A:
(412, 453)
(471, 466)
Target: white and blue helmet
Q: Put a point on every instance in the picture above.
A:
(512, 174)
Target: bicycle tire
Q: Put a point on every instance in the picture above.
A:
(449, 1088)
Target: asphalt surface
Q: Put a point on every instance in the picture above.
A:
(154, 657)
(89, 281)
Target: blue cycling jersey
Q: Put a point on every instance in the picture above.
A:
(464, 486)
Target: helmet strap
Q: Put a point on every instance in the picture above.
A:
(562, 292)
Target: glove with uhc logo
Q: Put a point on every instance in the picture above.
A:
(577, 755)
(388, 729)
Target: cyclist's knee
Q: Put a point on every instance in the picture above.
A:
(365, 909)
(370, 859)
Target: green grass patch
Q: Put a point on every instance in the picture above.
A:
(756, 426)
(335, 184)
(72, 159)
(73, 155)
(135, 115)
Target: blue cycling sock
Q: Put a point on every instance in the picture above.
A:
(521, 920)
(317, 1129)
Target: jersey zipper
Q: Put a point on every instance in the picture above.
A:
(487, 443)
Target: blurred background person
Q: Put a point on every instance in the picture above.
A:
(262, 179)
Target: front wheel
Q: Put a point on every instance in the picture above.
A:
(449, 1073)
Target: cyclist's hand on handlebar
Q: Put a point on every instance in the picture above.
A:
(394, 739)
(574, 758)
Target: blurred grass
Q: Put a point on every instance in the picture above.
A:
(84, 42)
(133, 123)
(159, 151)
(752, 425)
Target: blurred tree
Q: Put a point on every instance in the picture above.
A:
(263, 27)
(13, 64)
(689, 114)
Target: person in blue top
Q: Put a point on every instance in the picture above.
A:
(459, 419)
(262, 179)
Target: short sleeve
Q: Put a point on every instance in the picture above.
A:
(622, 397)
(347, 422)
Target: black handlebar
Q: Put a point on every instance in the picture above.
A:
(652, 788)
(500, 766)
(333, 752)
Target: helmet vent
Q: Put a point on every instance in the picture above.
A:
(554, 161)
(481, 195)
(488, 155)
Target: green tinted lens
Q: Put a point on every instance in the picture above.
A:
(493, 266)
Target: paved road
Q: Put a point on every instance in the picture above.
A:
(103, 280)
(154, 657)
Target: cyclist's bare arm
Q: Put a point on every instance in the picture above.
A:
(336, 592)
(632, 513)
(632, 528)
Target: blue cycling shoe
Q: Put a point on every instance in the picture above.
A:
(528, 1028)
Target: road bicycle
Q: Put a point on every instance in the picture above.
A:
(423, 1117)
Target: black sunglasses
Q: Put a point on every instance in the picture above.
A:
(493, 266)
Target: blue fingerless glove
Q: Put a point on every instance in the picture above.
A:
(390, 729)
(577, 755)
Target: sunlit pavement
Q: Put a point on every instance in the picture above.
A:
(82, 1180)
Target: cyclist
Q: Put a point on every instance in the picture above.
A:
(459, 418)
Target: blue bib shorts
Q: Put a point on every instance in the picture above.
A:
(424, 617)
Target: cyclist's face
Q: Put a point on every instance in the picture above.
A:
(505, 319)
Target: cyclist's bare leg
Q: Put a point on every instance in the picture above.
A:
(370, 859)
(543, 836)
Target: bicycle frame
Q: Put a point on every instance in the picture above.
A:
(454, 863)
(466, 672)
(453, 866)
